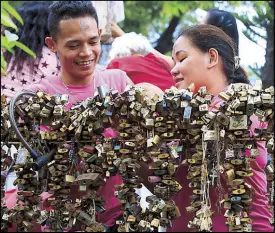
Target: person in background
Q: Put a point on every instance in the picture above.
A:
(225, 21)
(117, 32)
(107, 11)
(132, 53)
(22, 69)
(206, 56)
(75, 37)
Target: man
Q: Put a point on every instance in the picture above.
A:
(75, 37)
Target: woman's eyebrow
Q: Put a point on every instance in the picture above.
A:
(180, 51)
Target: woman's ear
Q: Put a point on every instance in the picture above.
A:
(213, 55)
(50, 43)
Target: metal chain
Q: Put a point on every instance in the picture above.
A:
(70, 91)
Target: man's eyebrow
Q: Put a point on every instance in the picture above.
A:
(94, 37)
(74, 41)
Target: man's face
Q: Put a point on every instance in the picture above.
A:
(78, 47)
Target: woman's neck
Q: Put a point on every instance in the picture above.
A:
(217, 83)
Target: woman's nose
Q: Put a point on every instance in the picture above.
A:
(175, 71)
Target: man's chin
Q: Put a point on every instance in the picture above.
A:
(87, 73)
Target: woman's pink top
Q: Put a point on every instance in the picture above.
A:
(260, 211)
(15, 82)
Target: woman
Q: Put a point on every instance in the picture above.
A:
(206, 56)
(22, 69)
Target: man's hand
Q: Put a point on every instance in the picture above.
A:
(116, 30)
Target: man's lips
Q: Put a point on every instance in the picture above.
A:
(84, 63)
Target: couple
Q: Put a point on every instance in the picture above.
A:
(203, 55)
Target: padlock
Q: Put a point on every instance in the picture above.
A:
(238, 122)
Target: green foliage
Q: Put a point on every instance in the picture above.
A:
(153, 16)
(9, 40)
(263, 18)
(257, 24)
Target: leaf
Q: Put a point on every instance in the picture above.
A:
(8, 48)
(6, 21)
(11, 36)
(3, 62)
(12, 11)
(4, 40)
(25, 48)
(3, 71)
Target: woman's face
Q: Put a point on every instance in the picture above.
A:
(190, 64)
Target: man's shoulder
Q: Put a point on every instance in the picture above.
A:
(107, 73)
(114, 78)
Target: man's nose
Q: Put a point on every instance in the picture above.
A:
(86, 51)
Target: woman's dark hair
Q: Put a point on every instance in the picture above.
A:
(225, 21)
(60, 10)
(205, 37)
(32, 33)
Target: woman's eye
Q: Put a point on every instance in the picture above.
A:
(182, 59)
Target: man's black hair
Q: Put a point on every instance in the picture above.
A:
(60, 10)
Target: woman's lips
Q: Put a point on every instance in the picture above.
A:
(179, 79)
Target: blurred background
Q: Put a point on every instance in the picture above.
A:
(161, 21)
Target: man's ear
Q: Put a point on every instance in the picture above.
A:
(99, 33)
(50, 43)
(213, 55)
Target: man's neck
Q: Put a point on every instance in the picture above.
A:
(74, 81)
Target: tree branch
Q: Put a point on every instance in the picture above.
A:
(253, 31)
(271, 4)
(255, 71)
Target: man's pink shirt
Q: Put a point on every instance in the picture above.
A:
(114, 79)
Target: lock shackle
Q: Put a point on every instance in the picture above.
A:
(32, 152)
